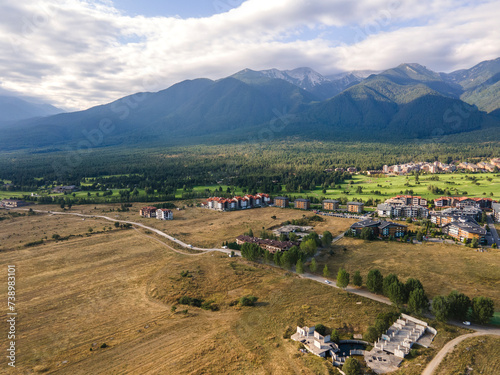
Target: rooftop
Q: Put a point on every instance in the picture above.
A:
(355, 203)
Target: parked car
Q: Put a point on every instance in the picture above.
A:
(328, 281)
(467, 323)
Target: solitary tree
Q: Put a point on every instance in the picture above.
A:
(367, 234)
(412, 284)
(285, 260)
(357, 280)
(277, 258)
(371, 334)
(300, 266)
(351, 366)
(327, 238)
(397, 293)
(335, 336)
(321, 329)
(388, 281)
(374, 281)
(417, 301)
(482, 309)
(459, 305)
(342, 278)
(441, 308)
(326, 272)
(313, 266)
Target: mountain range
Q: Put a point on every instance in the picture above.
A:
(13, 108)
(403, 103)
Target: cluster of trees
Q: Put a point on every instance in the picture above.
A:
(412, 292)
(295, 256)
(460, 307)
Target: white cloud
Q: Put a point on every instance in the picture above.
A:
(83, 53)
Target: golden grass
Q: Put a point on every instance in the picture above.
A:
(17, 231)
(117, 288)
(207, 228)
(477, 355)
(440, 267)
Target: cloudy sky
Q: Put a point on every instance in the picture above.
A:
(80, 53)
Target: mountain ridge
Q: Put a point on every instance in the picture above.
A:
(405, 102)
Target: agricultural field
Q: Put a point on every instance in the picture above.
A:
(207, 228)
(476, 355)
(440, 267)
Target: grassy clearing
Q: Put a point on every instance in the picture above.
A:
(477, 355)
(441, 268)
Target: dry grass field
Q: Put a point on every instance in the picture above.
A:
(440, 267)
(208, 228)
(118, 287)
(15, 231)
(477, 355)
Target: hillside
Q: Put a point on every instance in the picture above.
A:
(480, 84)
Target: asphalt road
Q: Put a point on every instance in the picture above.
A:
(493, 231)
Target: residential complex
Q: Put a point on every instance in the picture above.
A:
(404, 206)
(281, 202)
(331, 205)
(408, 200)
(303, 204)
(148, 212)
(356, 207)
(379, 228)
(12, 203)
(406, 331)
(464, 229)
(394, 210)
(461, 202)
(448, 215)
(435, 167)
(238, 203)
(438, 167)
(164, 214)
(496, 211)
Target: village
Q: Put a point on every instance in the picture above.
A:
(457, 218)
(460, 219)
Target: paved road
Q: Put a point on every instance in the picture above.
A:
(480, 331)
(494, 233)
(360, 292)
(157, 231)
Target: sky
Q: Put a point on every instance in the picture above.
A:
(80, 53)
